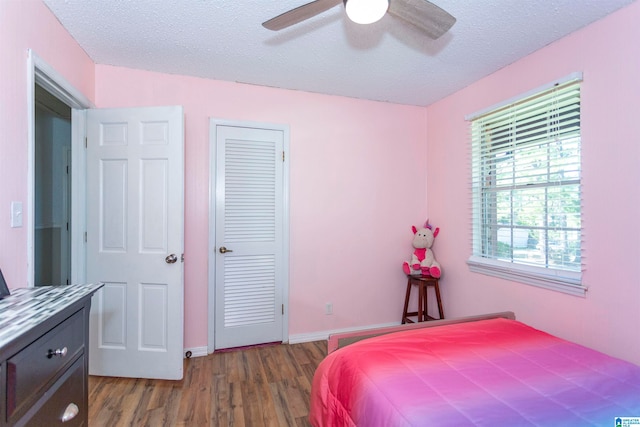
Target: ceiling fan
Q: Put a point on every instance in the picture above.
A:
(423, 14)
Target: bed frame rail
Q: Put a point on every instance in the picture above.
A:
(341, 339)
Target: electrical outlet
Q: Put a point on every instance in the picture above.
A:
(328, 308)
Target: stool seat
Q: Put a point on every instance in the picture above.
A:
(422, 283)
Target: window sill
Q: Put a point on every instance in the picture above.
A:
(556, 280)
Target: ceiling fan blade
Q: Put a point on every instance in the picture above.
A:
(299, 14)
(423, 14)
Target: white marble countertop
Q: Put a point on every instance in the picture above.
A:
(28, 307)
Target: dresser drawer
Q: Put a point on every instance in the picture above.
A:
(34, 368)
(65, 398)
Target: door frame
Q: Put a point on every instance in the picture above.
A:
(211, 276)
(39, 71)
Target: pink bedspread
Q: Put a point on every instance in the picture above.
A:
(490, 373)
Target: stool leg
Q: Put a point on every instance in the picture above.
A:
(440, 310)
(425, 314)
(422, 302)
(406, 302)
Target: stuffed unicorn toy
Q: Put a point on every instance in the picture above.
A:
(423, 261)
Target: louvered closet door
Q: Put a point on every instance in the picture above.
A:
(249, 229)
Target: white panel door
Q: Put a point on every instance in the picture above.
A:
(249, 235)
(135, 229)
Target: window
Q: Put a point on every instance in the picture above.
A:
(526, 188)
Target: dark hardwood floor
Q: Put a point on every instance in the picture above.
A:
(264, 386)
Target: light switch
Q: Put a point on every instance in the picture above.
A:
(16, 214)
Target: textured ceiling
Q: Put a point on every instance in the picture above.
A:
(386, 61)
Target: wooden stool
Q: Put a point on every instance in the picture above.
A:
(422, 282)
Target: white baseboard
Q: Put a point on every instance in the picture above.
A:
(196, 351)
(300, 338)
(324, 335)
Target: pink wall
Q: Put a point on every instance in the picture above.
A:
(608, 318)
(352, 195)
(357, 184)
(359, 180)
(27, 24)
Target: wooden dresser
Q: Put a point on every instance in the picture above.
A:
(44, 335)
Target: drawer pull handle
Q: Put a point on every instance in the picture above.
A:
(70, 413)
(57, 352)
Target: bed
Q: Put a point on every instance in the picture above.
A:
(491, 371)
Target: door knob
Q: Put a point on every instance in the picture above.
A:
(224, 250)
(170, 259)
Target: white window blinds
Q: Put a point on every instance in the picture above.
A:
(526, 189)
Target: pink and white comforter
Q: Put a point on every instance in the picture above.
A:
(495, 372)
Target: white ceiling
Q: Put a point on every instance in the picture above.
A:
(386, 61)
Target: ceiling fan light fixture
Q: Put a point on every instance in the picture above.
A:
(366, 11)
